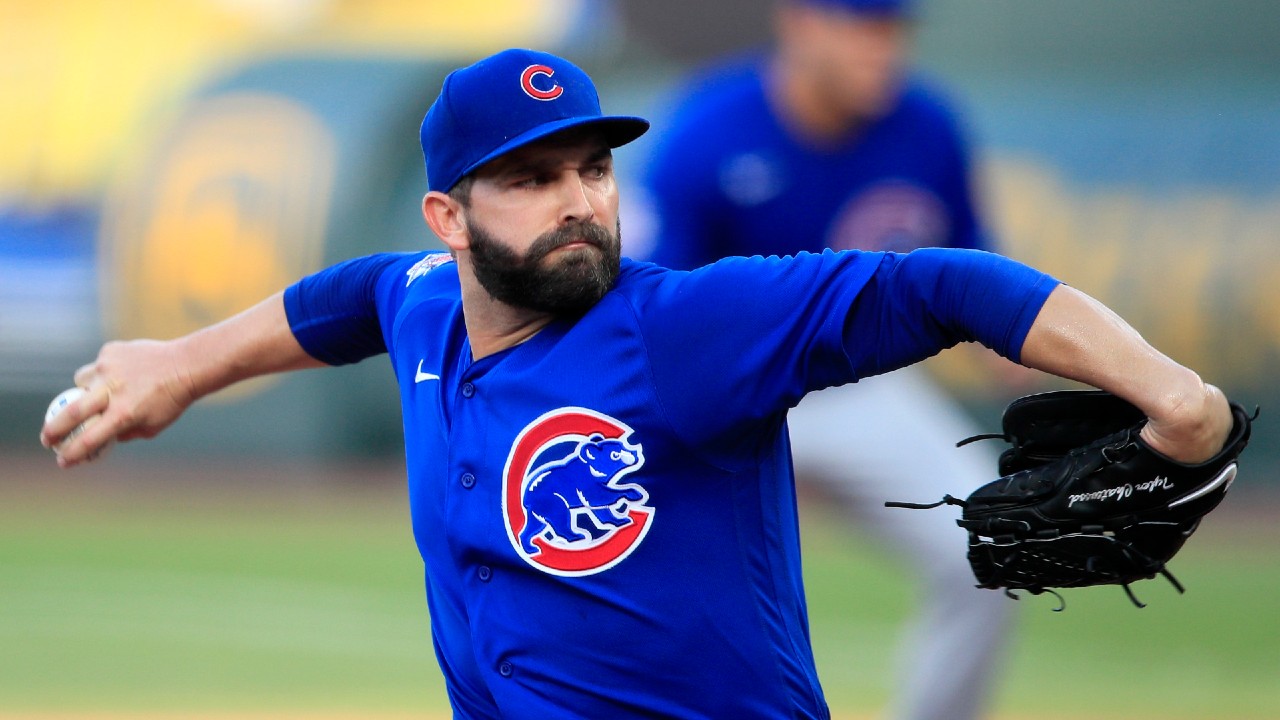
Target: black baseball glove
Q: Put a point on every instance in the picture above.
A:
(1083, 500)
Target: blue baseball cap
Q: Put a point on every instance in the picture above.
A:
(507, 101)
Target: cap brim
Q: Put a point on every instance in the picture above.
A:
(618, 130)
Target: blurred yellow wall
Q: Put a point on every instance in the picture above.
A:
(81, 77)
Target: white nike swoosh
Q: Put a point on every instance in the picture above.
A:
(420, 376)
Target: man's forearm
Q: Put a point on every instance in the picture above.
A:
(255, 342)
(1077, 337)
(137, 388)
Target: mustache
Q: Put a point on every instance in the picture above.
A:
(586, 232)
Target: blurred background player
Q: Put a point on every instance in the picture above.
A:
(828, 141)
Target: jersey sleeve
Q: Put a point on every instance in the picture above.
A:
(920, 303)
(342, 314)
(735, 344)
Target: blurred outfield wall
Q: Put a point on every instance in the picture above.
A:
(166, 165)
(168, 168)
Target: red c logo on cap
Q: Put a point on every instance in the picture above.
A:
(526, 83)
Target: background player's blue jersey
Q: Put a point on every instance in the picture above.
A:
(727, 178)
(606, 512)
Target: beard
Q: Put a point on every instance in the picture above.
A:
(576, 281)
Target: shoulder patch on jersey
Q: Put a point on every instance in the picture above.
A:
(566, 511)
(426, 265)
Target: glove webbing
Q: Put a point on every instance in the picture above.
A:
(1150, 564)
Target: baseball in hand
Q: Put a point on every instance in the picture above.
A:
(65, 398)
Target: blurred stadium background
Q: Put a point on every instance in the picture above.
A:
(164, 165)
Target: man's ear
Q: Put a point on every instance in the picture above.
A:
(444, 216)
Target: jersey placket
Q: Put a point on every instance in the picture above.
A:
(473, 501)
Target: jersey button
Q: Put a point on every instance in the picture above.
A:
(505, 669)
(468, 480)
(485, 573)
(468, 390)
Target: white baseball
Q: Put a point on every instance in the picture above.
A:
(60, 403)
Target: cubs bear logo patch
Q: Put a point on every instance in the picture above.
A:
(566, 509)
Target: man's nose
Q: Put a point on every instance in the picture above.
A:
(575, 205)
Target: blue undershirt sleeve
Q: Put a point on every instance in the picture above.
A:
(334, 313)
(931, 299)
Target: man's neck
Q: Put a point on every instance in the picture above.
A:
(494, 326)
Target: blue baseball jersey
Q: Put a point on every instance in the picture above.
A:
(729, 178)
(606, 512)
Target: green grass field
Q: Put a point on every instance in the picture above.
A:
(130, 590)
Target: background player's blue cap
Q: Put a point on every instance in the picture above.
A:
(507, 101)
(896, 8)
